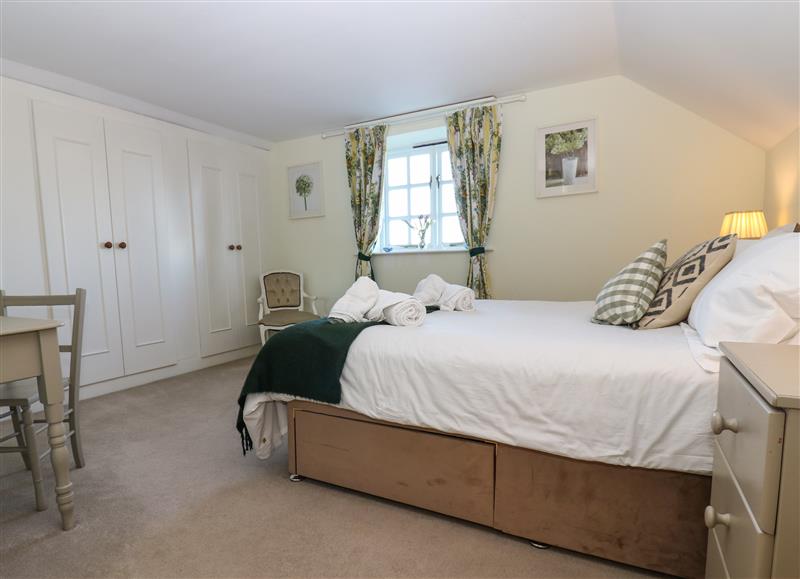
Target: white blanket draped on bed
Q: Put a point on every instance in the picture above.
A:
(532, 374)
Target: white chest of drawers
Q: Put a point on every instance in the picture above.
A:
(754, 515)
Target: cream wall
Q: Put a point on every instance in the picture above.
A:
(782, 184)
(662, 172)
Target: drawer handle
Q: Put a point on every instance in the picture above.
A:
(713, 518)
(720, 423)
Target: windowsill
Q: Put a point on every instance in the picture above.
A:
(416, 251)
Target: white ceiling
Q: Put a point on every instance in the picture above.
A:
(283, 70)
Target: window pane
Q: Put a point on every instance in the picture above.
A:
(420, 201)
(398, 202)
(397, 172)
(398, 232)
(420, 168)
(447, 170)
(451, 230)
(448, 198)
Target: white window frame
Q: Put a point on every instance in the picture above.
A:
(435, 184)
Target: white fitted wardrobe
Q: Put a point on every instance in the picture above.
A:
(161, 224)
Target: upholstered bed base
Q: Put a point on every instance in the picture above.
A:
(647, 518)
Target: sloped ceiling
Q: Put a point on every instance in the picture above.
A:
(735, 64)
(279, 71)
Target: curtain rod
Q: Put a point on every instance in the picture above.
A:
(427, 113)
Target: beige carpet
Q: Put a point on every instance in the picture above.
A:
(167, 493)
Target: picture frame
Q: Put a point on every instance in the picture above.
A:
(566, 161)
(306, 193)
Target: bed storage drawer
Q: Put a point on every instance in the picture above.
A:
(612, 512)
(746, 550)
(449, 475)
(750, 435)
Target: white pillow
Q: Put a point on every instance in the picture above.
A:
(755, 298)
(743, 244)
(792, 227)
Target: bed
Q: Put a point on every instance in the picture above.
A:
(523, 416)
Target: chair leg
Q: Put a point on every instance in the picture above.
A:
(20, 436)
(75, 439)
(33, 458)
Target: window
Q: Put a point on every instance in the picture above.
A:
(419, 182)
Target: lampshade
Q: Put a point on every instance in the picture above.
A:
(746, 224)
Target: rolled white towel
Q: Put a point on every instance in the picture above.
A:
(385, 299)
(409, 312)
(398, 309)
(430, 289)
(356, 302)
(458, 298)
(434, 291)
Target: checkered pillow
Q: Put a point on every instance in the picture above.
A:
(626, 296)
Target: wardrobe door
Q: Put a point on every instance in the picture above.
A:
(76, 216)
(249, 167)
(139, 215)
(215, 240)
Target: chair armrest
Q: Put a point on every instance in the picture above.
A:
(313, 302)
(262, 307)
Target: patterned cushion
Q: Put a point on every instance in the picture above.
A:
(282, 289)
(683, 281)
(280, 318)
(626, 296)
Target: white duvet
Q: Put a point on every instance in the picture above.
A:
(532, 374)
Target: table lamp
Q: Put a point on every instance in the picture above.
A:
(746, 224)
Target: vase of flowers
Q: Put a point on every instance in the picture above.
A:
(421, 225)
(567, 144)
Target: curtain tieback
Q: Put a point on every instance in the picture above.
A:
(473, 251)
(364, 257)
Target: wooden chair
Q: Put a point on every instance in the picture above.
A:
(282, 301)
(20, 396)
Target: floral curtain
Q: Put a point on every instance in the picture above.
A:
(365, 153)
(474, 137)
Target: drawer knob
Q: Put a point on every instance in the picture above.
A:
(713, 518)
(720, 423)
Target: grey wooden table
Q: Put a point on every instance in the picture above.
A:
(29, 349)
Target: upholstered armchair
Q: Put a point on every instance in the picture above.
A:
(282, 302)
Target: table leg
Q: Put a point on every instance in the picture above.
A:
(51, 394)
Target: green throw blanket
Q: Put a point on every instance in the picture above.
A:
(303, 360)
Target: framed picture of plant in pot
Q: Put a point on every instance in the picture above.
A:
(565, 159)
(306, 198)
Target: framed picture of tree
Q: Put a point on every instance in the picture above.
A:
(565, 159)
(306, 197)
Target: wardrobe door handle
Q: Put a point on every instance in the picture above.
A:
(122, 245)
(720, 423)
(231, 247)
(713, 518)
(239, 247)
(108, 245)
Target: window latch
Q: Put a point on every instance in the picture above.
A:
(438, 181)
